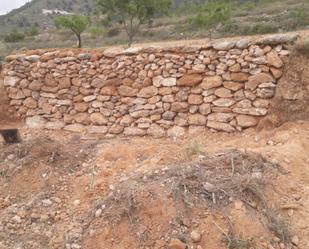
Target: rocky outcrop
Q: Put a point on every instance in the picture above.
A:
(150, 91)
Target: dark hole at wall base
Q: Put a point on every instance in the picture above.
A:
(10, 136)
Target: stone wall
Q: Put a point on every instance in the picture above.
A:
(225, 86)
(6, 111)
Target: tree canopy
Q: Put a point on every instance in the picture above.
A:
(132, 13)
(77, 24)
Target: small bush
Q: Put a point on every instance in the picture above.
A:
(32, 32)
(97, 31)
(230, 27)
(260, 28)
(14, 36)
(3, 51)
(300, 17)
(247, 5)
(264, 28)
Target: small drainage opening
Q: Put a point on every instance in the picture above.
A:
(10, 136)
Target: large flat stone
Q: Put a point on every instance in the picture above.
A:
(220, 126)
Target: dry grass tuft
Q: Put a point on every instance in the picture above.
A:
(277, 225)
(194, 149)
(210, 182)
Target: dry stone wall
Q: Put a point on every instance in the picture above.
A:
(226, 86)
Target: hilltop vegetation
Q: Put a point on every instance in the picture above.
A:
(31, 13)
(184, 19)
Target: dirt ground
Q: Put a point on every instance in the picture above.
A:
(214, 190)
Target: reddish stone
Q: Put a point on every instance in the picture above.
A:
(239, 77)
(190, 80)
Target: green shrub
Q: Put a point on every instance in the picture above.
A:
(3, 51)
(230, 28)
(14, 36)
(247, 5)
(32, 32)
(259, 28)
(264, 28)
(300, 17)
(96, 31)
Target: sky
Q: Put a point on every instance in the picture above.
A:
(8, 5)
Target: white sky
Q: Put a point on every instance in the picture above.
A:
(8, 5)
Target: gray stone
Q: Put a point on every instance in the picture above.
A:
(68, 59)
(56, 125)
(10, 81)
(169, 115)
(196, 236)
(97, 129)
(246, 121)
(243, 43)
(156, 131)
(265, 93)
(75, 128)
(220, 126)
(48, 95)
(33, 58)
(157, 81)
(64, 102)
(35, 122)
(134, 131)
(224, 46)
(278, 39)
(84, 56)
(251, 111)
(221, 117)
(89, 98)
(176, 132)
(222, 102)
(169, 82)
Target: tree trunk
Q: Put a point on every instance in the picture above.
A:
(79, 38)
(130, 40)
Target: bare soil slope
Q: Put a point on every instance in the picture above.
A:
(210, 191)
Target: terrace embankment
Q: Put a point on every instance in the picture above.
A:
(158, 91)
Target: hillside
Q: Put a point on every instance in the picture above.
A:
(40, 13)
(31, 14)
